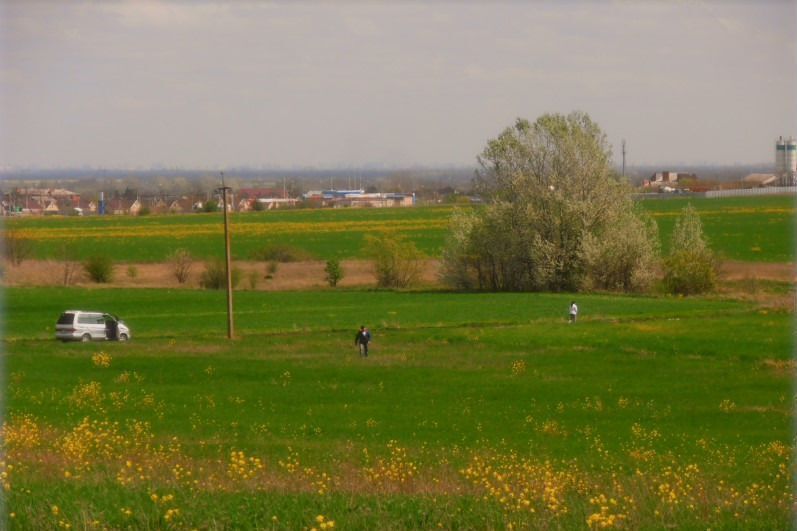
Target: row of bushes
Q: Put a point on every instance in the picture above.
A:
(395, 259)
(391, 270)
(100, 269)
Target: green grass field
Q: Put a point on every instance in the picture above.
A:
(474, 411)
(752, 229)
(748, 229)
(324, 233)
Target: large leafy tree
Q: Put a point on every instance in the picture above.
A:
(548, 185)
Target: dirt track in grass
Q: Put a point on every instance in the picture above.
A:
(254, 275)
(731, 270)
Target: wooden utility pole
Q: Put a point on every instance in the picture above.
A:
(230, 326)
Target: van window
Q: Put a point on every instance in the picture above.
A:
(90, 318)
(66, 318)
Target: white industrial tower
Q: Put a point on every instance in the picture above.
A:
(786, 161)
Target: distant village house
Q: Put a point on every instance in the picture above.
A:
(40, 201)
(667, 179)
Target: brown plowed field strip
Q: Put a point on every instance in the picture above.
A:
(299, 275)
(289, 276)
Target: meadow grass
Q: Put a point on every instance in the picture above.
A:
(752, 229)
(473, 411)
(749, 229)
(323, 233)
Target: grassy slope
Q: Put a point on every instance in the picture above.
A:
(751, 229)
(707, 376)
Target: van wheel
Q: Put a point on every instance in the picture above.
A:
(122, 337)
(86, 338)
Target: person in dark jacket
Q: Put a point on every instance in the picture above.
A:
(361, 340)
(111, 328)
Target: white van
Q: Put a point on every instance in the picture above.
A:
(77, 325)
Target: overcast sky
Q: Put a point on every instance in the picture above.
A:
(215, 85)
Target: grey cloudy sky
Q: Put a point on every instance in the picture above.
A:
(213, 85)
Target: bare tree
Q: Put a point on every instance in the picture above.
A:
(69, 266)
(16, 247)
(181, 261)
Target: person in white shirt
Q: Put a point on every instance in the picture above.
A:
(573, 311)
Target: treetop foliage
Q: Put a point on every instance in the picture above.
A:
(687, 235)
(556, 151)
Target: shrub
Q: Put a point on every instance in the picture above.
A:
(69, 271)
(271, 269)
(99, 268)
(70, 266)
(333, 272)
(215, 275)
(16, 247)
(691, 267)
(396, 261)
(253, 277)
(280, 252)
(689, 274)
(132, 272)
(625, 256)
(181, 262)
(460, 262)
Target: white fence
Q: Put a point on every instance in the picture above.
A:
(771, 190)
